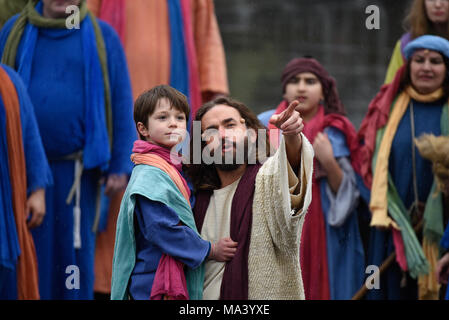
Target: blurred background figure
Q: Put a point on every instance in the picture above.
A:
(407, 208)
(424, 17)
(24, 175)
(79, 85)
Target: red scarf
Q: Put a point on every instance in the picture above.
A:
(314, 266)
(376, 118)
(113, 12)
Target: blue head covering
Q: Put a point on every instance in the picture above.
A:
(433, 43)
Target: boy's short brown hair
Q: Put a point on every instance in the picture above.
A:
(146, 103)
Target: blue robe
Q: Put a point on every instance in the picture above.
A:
(158, 232)
(38, 176)
(345, 253)
(427, 120)
(58, 93)
(265, 116)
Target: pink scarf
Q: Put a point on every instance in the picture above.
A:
(174, 159)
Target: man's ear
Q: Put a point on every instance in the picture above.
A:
(143, 131)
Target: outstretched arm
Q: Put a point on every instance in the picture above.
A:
(291, 124)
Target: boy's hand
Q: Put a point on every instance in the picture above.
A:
(224, 250)
(36, 207)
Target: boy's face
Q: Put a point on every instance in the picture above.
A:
(165, 127)
(306, 88)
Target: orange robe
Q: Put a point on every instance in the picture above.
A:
(147, 44)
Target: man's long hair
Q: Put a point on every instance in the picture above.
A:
(205, 177)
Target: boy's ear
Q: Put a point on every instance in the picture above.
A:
(143, 131)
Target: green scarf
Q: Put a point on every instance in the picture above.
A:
(30, 15)
(10, 8)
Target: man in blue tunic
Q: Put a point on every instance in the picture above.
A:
(79, 84)
(24, 173)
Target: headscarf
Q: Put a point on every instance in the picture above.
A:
(301, 65)
(429, 42)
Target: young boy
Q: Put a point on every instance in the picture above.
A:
(155, 219)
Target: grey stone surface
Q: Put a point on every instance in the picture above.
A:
(261, 36)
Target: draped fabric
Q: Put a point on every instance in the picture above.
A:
(192, 58)
(24, 34)
(60, 103)
(376, 117)
(162, 189)
(234, 285)
(397, 57)
(169, 279)
(193, 22)
(9, 242)
(112, 11)
(146, 152)
(27, 277)
(389, 195)
(10, 8)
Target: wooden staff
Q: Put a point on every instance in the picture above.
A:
(385, 265)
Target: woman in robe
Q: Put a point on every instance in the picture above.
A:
(406, 207)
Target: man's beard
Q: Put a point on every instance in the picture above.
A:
(228, 167)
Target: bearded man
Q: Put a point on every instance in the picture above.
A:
(259, 204)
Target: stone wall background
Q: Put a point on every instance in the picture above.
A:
(261, 36)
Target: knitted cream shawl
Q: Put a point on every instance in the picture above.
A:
(274, 270)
